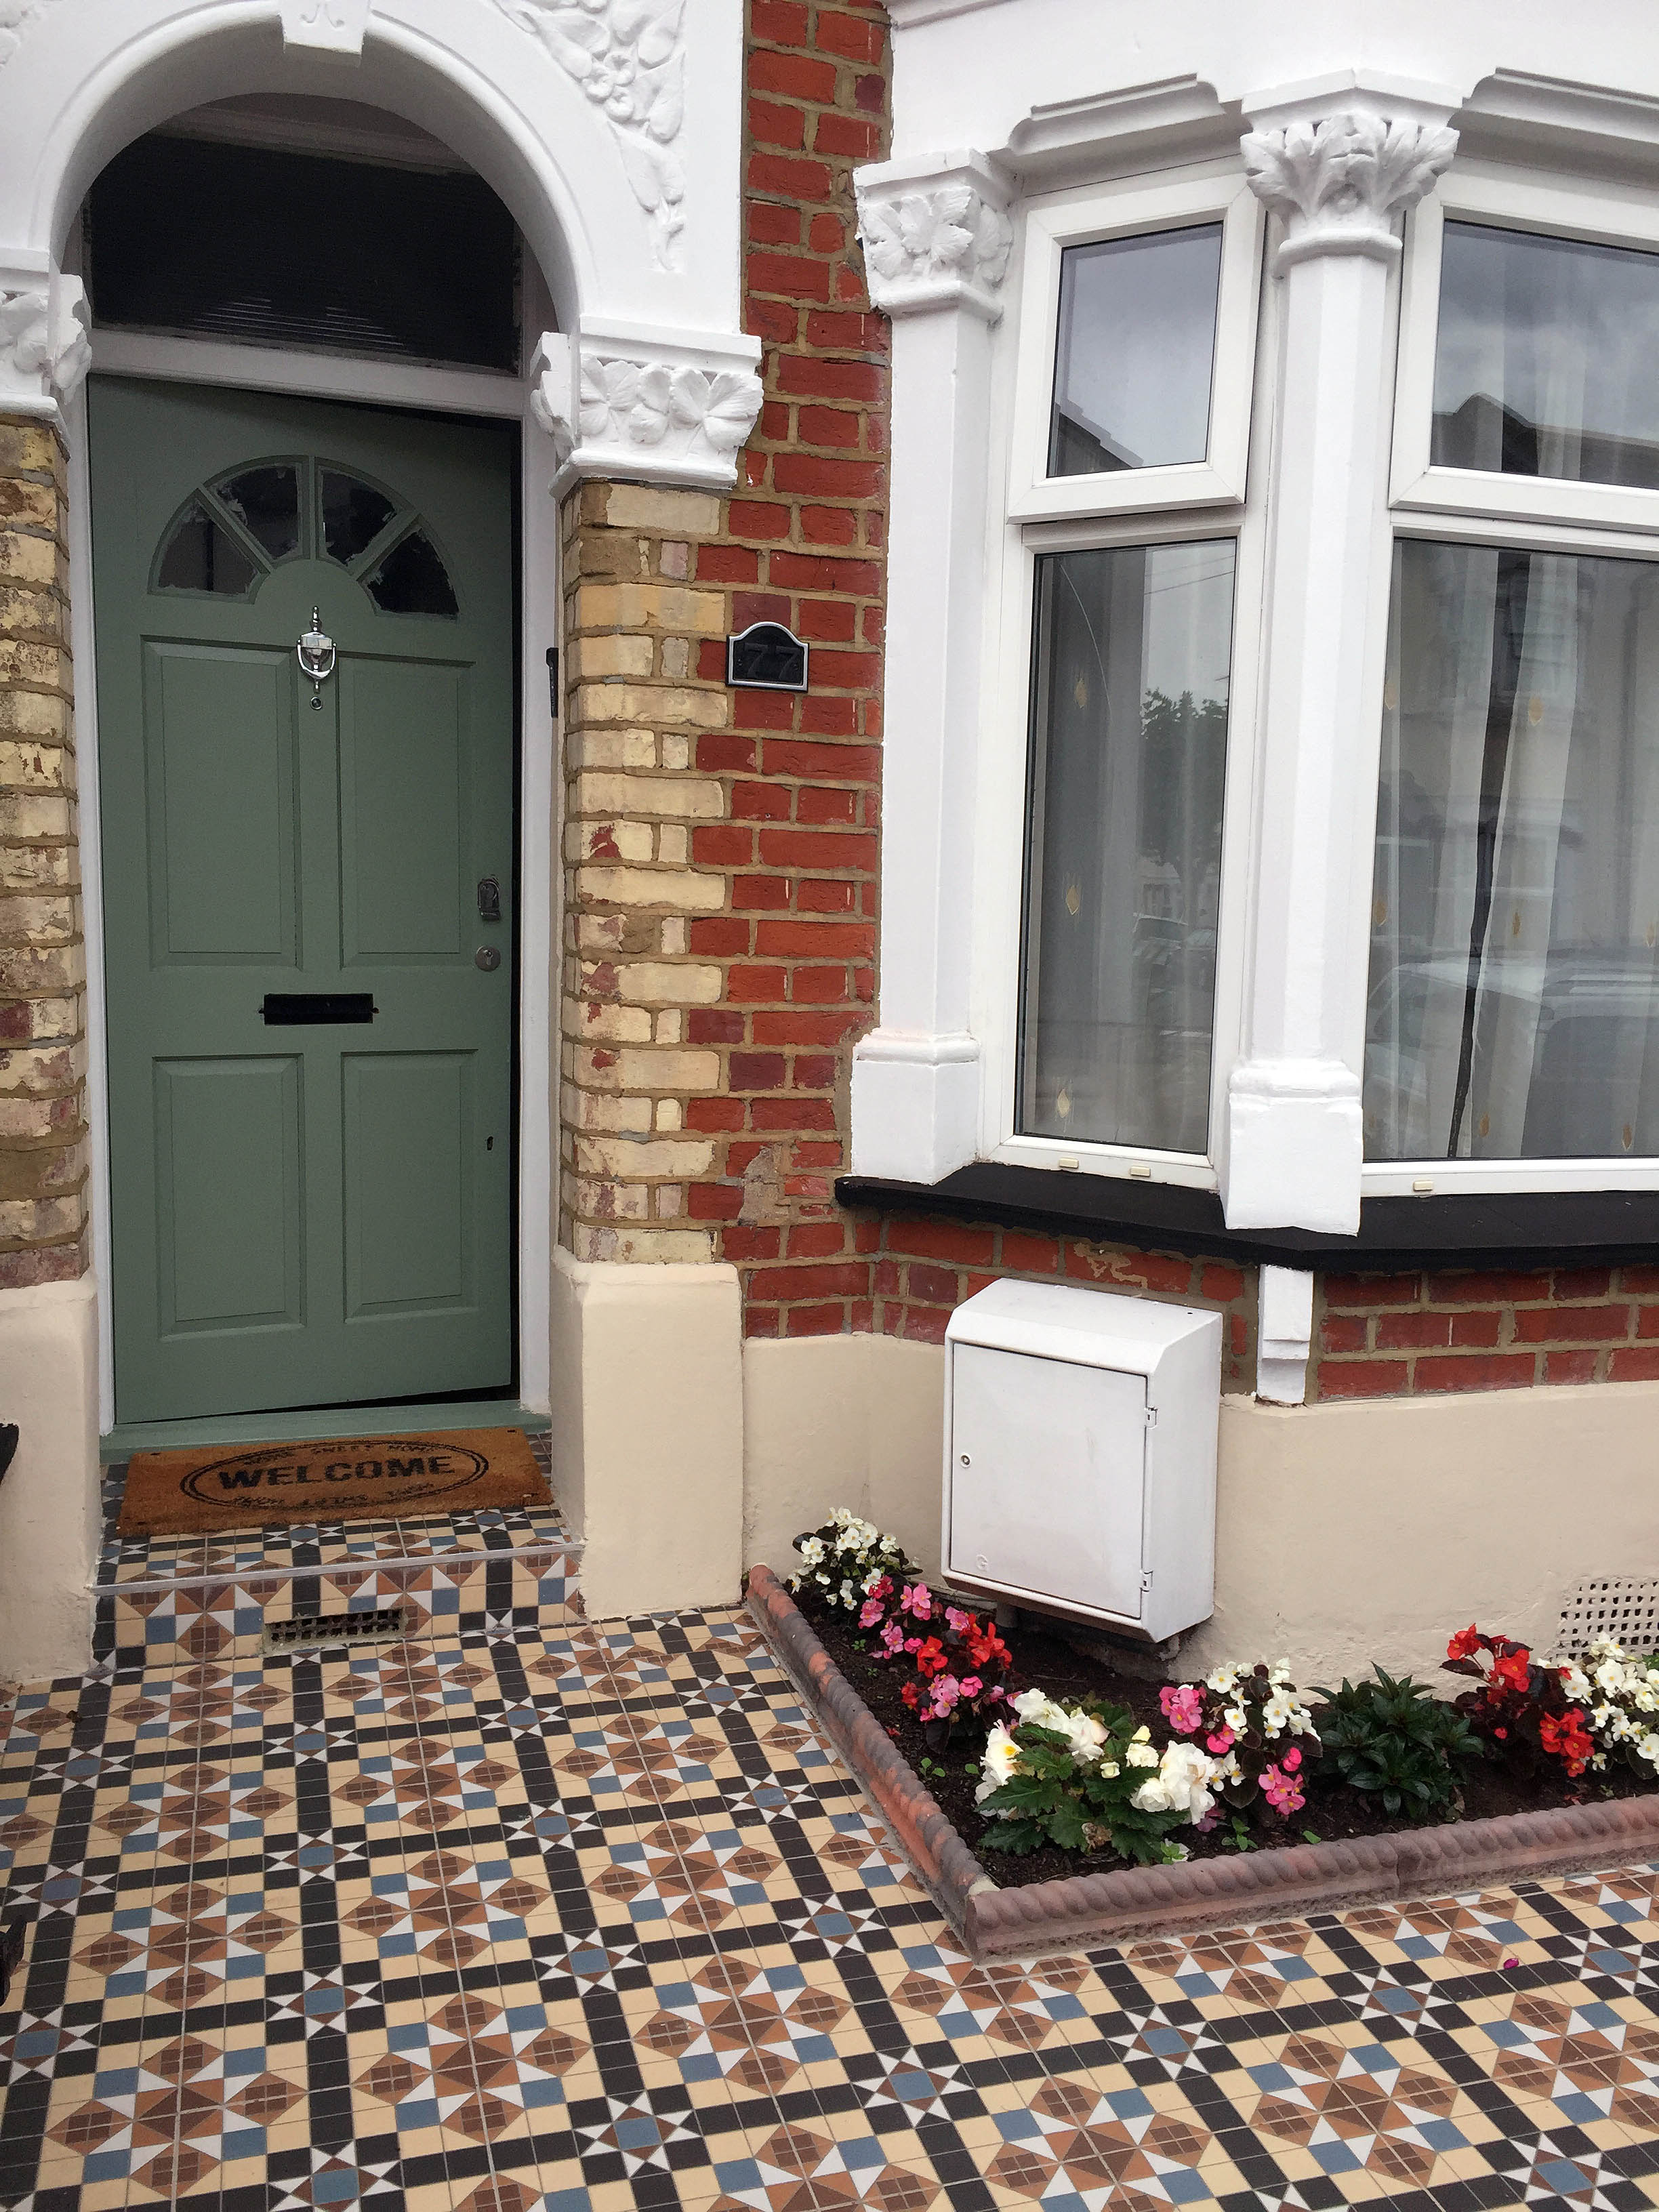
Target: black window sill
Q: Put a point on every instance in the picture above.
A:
(1504, 1229)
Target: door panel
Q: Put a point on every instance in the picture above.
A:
(404, 831)
(322, 1214)
(219, 736)
(409, 1126)
(228, 1148)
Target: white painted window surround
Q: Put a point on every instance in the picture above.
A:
(1332, 388)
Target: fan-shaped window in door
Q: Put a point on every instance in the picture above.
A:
(230, 533)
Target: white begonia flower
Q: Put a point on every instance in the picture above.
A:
(1182, 1783)
(811, 1550)
(1140, 1754)
(1224, 1678)
(1236, 1719)
(1039, 1711)
(1609, 1675)
(1086, 1735)
(1279, 1711)
(1108, 1767)
(1576, 1682)
(1279, 1674)
(1648, 1747)
(998, 1761)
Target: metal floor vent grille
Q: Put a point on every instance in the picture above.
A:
(1617, 1606)
(312, 1632)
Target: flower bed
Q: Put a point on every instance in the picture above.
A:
(1100, 1802)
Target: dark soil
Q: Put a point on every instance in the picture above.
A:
(1332, 1811)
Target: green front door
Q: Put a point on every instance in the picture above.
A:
(310, 1012)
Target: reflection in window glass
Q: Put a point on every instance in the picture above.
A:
(1514, 1005)
(1129, 750)
(1136, 352)
(412, 579)
(202, 556)
(266, 502)
(1547, 359)
(354, 515)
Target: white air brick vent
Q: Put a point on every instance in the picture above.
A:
(1621, 1607)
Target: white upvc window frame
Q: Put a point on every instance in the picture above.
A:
(1159, 506)
(1477, 507)
(1132, 208)
(1597, 214)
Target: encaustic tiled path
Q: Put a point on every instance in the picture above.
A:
(535, 1913)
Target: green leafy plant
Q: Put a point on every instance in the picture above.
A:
(1394, 1740)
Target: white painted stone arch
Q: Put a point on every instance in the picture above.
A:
(610, 129)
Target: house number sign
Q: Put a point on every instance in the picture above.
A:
(767, 657)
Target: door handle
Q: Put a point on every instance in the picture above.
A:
(489, 899)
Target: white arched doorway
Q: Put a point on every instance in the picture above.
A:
(614, 139)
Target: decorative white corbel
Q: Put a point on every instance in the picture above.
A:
(632, 403)
(44, 348)
(1284, 1335)
(327, 26)
(1337, 183)
(1294, 1143)
(936, 233)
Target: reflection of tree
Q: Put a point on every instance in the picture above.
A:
(1183, 779)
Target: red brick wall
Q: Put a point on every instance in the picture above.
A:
(806, 545)
(1389, 1336)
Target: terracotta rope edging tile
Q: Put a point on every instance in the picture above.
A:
(1090, 1909)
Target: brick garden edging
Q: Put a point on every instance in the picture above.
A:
(1268, 1885)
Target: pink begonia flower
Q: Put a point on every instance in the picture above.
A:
(1291, 1759)
(1281, 1791)
(913, 1643)
(971, 1685)
(957, 1618)
(917, 1600)
(870, 1612)
(1222, 1742)
(892, 1636)
(1182, 1706)
(946, 1691)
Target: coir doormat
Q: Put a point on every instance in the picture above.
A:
(181, 1493)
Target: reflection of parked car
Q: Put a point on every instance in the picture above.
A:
(1586, 1000)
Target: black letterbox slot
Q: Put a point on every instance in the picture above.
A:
(302, 1009)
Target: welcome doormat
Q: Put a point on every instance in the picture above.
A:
(181, 1493)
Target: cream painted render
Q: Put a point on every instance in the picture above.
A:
(49, 1517)
(1347, 1534)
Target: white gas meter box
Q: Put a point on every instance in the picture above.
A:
(1080, 1454)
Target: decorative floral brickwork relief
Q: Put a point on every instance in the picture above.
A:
(43, 1171)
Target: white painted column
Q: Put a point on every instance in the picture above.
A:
(936, 238)
(1294, 1146)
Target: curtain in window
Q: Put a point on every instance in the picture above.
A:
(1514, 1003)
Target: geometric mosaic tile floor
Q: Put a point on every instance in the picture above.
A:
(589, 1918)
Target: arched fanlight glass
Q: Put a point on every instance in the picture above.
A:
(230, 533)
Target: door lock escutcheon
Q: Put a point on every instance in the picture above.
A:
(488, 959)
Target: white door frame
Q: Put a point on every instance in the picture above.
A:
(382, 384)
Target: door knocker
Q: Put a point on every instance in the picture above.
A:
(316, 655)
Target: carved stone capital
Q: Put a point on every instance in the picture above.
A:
(44, 348)
(1337, 181)
(628, 58)
(623, 405)
(935, 236)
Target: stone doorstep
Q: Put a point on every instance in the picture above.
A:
(1092, 1909)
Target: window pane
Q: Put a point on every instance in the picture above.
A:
(1514, 1008)
(1129, 750)
(412, 579)
(1136, 352)
(266, 502)
(202, 556)
(1547, 359)
(354, 515)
